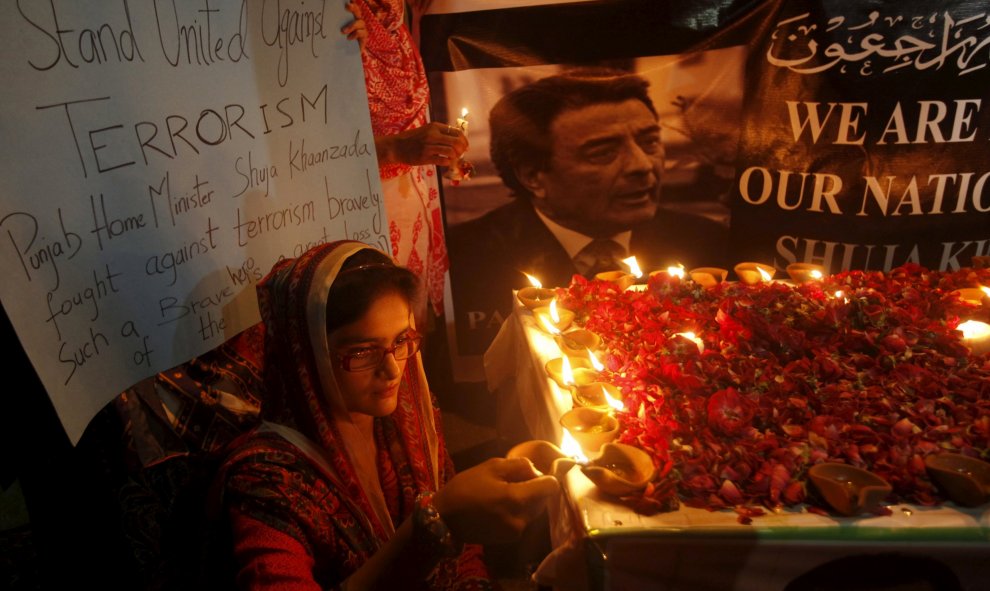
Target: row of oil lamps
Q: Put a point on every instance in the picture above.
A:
(590, 427)
(541, 300)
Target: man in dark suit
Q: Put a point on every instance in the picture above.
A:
(582, 155)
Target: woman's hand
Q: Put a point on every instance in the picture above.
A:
(356, 29)
(494, 501)
(433, 143)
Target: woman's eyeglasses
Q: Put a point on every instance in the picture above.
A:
(372, 357)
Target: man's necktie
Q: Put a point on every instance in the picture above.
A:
(601, 254)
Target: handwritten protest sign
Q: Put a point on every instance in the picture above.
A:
(157, 159)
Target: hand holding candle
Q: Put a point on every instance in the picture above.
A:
(462, 169)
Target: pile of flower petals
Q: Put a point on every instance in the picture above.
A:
(875, 375)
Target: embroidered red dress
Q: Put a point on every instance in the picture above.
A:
(399, 98)
(308, 504)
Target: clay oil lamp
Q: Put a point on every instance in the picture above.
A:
(754, 273)
(577, 343)
(553, 319)
(635, 271)
(963, 479)
(673, 271)
(620, 469)
(600, 396)
(975, 296)
(847, 489)
(547, 457)
(708, 276)
(805, 272)
(535, 295)
(620, 278)
(565, 370)
(591, 428)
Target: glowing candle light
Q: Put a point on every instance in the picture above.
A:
(462, 121)
(612, 401)
(598, 365)
(633, 266)
(566, 375)
(676, 271)
(985, 290)
(548, 324)
(976, 335)
(805, 272)
(552, 319)
(534, 295)
(689, 335)
(572, 448)
(753, 273)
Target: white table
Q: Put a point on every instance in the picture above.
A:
(601, 544)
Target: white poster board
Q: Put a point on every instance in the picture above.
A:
(158, 158)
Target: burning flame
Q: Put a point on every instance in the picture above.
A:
(689, 335)
(598, 365)
(816, 274)
(676, 271)
(974, 329)
(986, 290)
(571, 447)
(533, 280)
(566, 375)
(464, 112)
(633, 266)
(554, 315)
(766, 276)
(613, 402)
(548, 325)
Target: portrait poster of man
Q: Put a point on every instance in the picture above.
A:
(846, 134)
(634, 154)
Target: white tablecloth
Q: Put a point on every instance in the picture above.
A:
(600, 543)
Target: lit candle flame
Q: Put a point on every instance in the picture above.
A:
(464, 112)
(974, 329)
(572, 448)
(598, 365)
(533, 280)
(548, 325)
(676, 271)
(763, 274)
(566, 375)
(689, 335)
(633, 266)
(554, 315)
(986, 290)
(839, 294)
(816, 274)
(612, 401)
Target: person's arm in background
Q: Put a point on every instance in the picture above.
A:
(434, 143)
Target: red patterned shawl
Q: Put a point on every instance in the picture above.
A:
(398, 94)
(335, 497)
